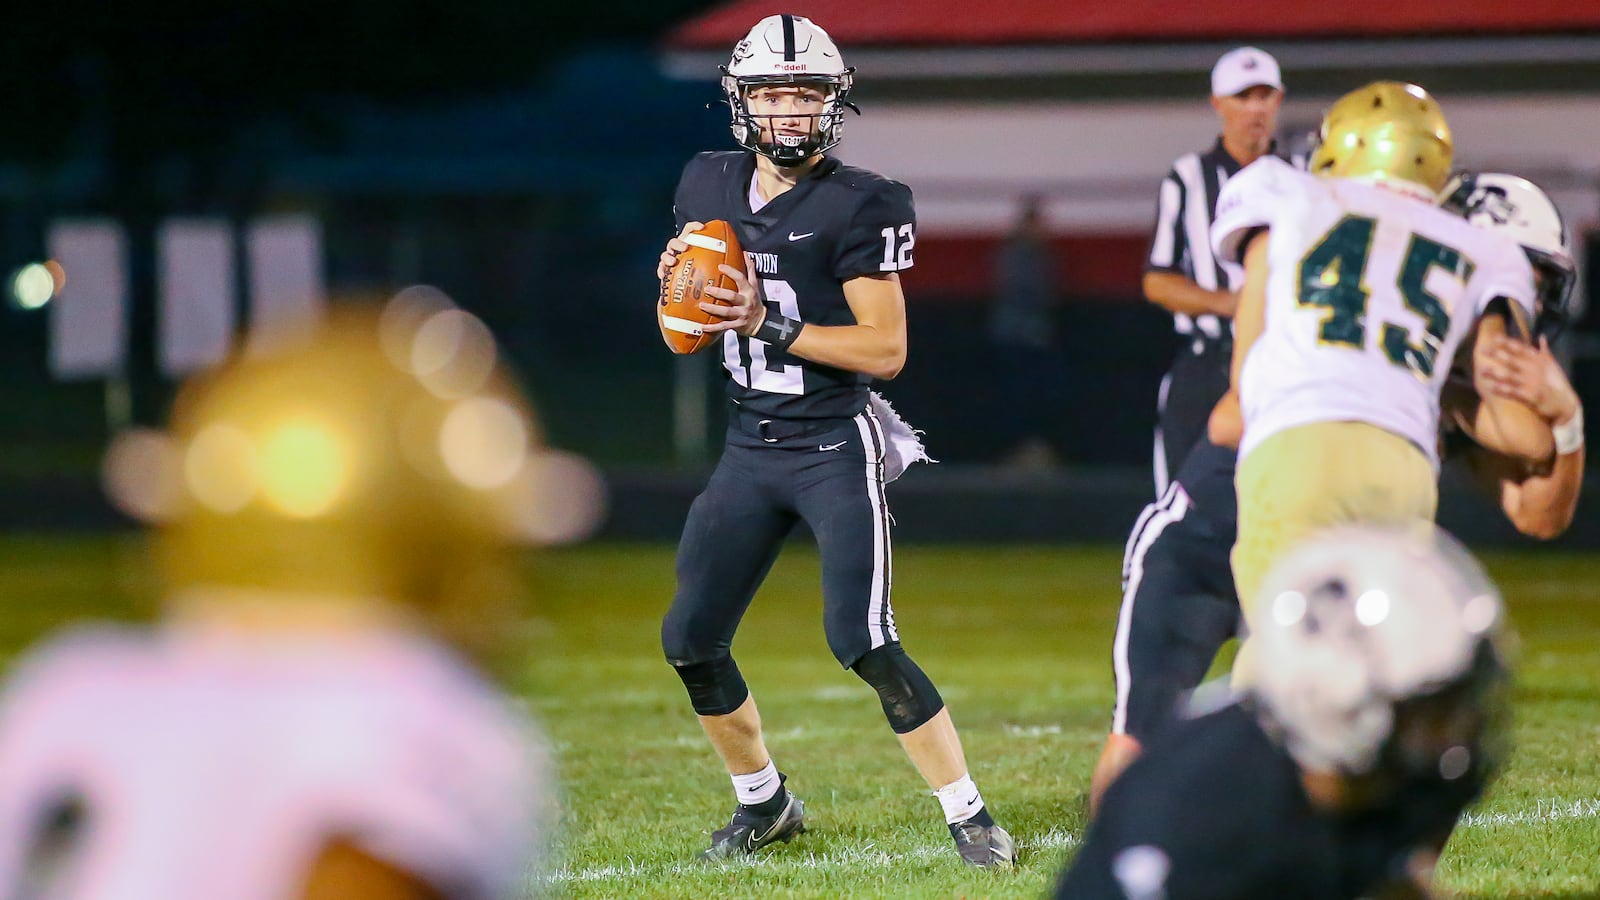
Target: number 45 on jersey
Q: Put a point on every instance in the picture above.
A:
(1333, 277)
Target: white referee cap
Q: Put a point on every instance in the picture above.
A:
(1243, 68)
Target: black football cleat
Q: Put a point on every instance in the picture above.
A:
(984, 846)
(750, 831)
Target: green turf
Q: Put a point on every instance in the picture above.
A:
(1018, 639)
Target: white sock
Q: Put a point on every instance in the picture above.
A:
(757, 786)
(960, 799)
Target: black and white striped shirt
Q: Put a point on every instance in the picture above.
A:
(1181, 243)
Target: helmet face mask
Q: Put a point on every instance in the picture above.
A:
(787, 52)
(1386, 132)
(1454, 732)
(1520, 209)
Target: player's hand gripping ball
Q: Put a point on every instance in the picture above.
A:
(688, 267)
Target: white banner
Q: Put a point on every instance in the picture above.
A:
(287, 293)
(89, 322)
(196, 285)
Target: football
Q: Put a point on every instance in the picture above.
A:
(678, 312)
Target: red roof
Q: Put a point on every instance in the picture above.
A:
(967, 22)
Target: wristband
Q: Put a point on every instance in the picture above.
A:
(779, 331)
(1569, 435)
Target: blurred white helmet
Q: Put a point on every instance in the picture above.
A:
(1382, 647)
(1519, 209)
(788, 50)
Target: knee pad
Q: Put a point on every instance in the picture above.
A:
(715, 687)
(909, 698)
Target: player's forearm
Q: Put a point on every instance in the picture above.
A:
(1516, 432)
(1178, 294)
(1225, 426)
(867, 349)
(1542, 506)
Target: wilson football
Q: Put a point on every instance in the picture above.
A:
(678, 312)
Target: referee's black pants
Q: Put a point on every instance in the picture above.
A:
(1190, 390)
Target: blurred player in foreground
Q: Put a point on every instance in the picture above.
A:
(819, 314)
(1358, 290)
(1378, 716)
(1178, 604)
(307, 719)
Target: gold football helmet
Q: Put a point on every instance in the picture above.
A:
(380, 464)
(1386, 131)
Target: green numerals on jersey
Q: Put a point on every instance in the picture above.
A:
(1421, 256)
(1332, 275)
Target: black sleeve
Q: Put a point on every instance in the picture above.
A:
(1205, 814)
(881, 234)
(1145, 847)
(687, 199)
(1169, 245)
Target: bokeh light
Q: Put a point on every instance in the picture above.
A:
(33, 286)
(303, 469)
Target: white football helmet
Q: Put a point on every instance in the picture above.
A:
(788, 49)
(1383, 648)
(1518, 208)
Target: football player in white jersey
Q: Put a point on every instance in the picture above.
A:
(306, 720)
(1178, 604)
(1358, 292)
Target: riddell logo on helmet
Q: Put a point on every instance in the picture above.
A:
(791, 67)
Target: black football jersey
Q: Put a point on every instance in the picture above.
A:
(838, 223)
(1215, 810)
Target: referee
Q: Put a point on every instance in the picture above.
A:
(1181, 275)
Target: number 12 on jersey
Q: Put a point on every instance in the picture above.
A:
(897, 246)
(1333, 276)
(763, 374)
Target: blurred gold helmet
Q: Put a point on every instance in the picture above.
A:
(1386, 131)
(384, 461)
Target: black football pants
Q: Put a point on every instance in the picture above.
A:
(828, 474)
(1178, 609)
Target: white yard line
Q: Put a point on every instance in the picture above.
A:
(1543, 811)
(871, 856)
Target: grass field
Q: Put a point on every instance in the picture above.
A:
(1018, 641)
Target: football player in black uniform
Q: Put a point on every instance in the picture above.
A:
(1376, 719)
(1179, 604)
(817, 316)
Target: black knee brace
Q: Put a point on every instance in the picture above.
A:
(909, 698)
(715, 687)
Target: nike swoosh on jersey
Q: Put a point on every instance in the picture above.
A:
(800, 237)
(826, 447)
